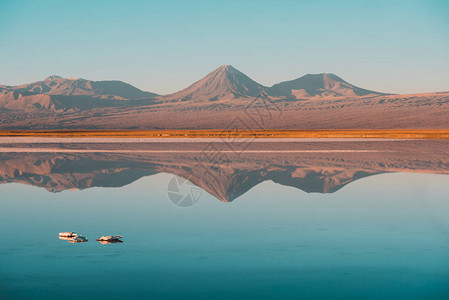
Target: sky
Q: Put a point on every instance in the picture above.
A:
(164, 46)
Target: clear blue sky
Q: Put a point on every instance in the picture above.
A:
(163, 46)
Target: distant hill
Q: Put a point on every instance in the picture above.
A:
(57, 93)
(55, 85)
(319, 85)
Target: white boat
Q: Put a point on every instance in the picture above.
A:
(67, 234)
(110, 238)
(78, 239)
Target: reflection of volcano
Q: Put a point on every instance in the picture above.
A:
(183, 193)
(324, 171)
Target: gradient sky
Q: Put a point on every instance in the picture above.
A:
(164, 46)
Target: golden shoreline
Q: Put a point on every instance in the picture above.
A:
(317, 133)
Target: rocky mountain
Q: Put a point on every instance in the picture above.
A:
(319, 85)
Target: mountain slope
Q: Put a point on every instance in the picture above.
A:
(60, 94)
(55, 85)
(226, 82)
(319, 85)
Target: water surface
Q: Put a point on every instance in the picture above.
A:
(314, 225)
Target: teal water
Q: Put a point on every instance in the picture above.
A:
(381, 237)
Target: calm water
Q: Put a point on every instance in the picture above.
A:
(384, 236)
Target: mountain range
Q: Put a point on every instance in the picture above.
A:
(311, 101)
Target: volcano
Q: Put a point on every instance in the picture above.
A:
(322, 85)
(226, 82)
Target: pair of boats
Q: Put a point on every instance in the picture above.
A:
(73, 237)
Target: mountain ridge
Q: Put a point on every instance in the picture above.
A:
(224, 82)
(56, 85)
(68, 94)
(313, 101)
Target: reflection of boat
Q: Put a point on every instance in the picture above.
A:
(110, 239)
(78, 239)
(110, 242)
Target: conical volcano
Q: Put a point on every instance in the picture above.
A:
(225, 82)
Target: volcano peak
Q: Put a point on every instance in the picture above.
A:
(224, 82)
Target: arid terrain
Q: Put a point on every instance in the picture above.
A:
(225, 98)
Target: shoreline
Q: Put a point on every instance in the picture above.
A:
(231, 134)
(133, 140)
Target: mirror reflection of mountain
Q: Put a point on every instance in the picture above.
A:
(225, 170)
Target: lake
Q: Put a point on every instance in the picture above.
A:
(292, 219)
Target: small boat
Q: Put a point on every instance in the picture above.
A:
(67, 234)
(110, 238)
(78, 239)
